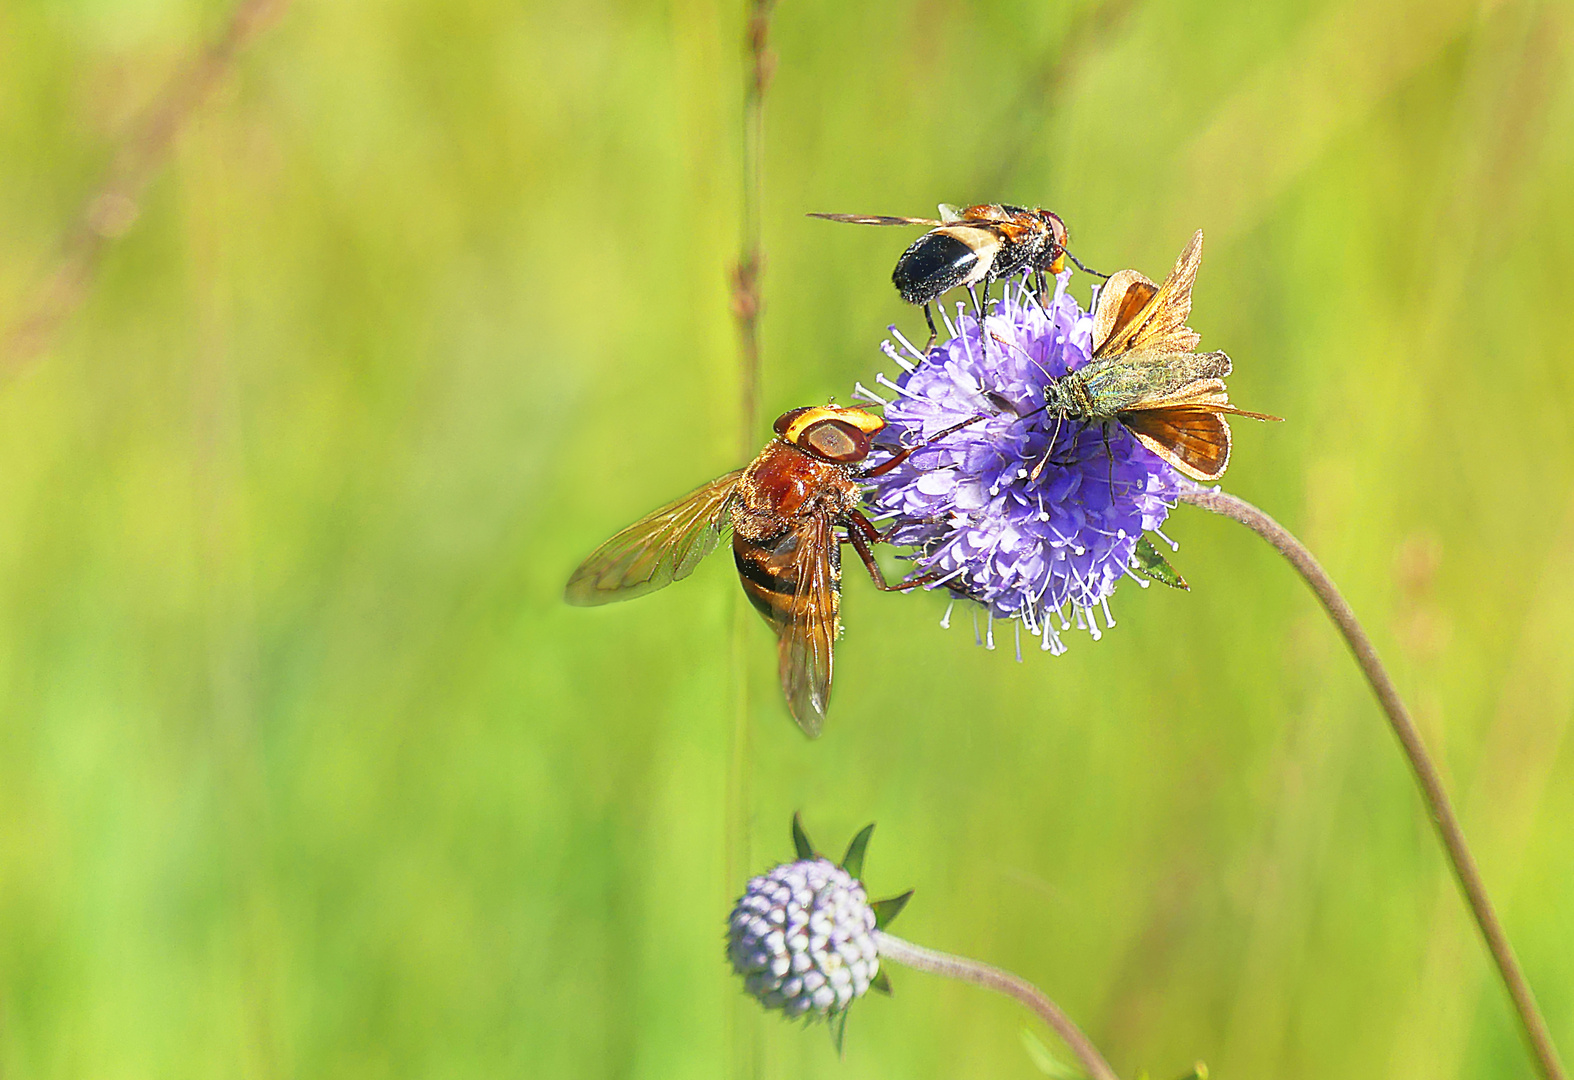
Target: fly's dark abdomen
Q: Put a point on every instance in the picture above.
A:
(769, 572)
(934, 264)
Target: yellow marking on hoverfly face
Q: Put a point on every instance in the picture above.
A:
(866, 422)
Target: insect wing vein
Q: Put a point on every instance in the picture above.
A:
(808, 634)
(876, 219)
(1120, 325)
(662, 547)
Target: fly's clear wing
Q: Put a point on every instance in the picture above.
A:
(808, 633)
(658, 549)
(875, 219)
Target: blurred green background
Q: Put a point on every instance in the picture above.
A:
(306, 770)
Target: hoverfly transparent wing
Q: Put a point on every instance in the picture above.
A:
(949, 213)
(809, 631)
(874, 219)
(662, 547)
(1133, 313)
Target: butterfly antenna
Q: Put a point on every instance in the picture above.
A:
(1026, 356)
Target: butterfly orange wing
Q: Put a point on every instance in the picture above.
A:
(1193, 438)
(1133, 313)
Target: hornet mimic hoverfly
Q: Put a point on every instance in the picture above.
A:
(978, 245)
(782, 510)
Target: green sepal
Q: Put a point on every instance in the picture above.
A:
(838, 1028)
(888, 909)
(853, 861)
(881, 982)
(1199, 1071)
(800, 839)
(1147, 561)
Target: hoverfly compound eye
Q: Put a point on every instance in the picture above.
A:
(830, 432)
(788, 420)
(836, 441)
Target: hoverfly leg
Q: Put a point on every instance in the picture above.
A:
(1043, 288)
(902, 455)
(978, 313)
(860, 532)
(934, 335)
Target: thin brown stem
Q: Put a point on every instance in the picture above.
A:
(746, 305)
(993, 978)
(746, 300)
(1426, 774)
(111, 211)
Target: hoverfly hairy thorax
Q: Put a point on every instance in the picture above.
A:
(783, 510)
(973, 247)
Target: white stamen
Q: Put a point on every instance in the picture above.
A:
(897, 358)
(889, 385)
(1019, 640)
(945, 620)
(1139, 579)
(908, 345)
(1109, 619)
(941, 581)
(863, 393)
(989, 639)
(1160, 534)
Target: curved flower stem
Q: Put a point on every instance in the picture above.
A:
(1432, 792)
(987, 975)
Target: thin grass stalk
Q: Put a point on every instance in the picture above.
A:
(746, 305)
(1433, 794)
(113, 208)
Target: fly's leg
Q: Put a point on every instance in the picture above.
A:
(934, 335)
(860, 533)
(978, 312)
(902, 455)
(1110, 454)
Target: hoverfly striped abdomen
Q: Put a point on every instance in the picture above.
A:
(770, 572)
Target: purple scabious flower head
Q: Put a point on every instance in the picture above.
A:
(1034, 517)
(802, 937)
(805, 936)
